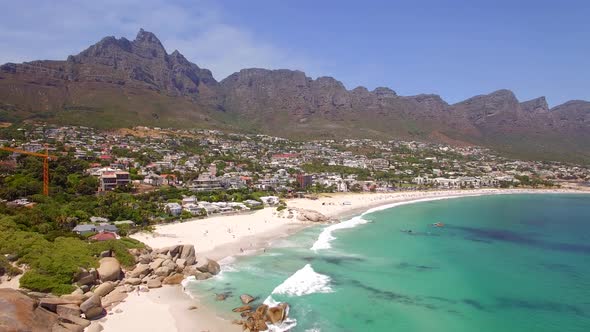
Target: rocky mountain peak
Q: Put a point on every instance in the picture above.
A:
(146, 37)
(384, 92)
(537, 105)
(147, 45)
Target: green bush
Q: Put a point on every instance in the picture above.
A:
(55, 284)
(7, 268)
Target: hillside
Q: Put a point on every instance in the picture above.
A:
(121, 83)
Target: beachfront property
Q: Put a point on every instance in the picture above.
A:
(270, 200)
(173, 209)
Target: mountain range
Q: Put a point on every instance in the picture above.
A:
(121, 83)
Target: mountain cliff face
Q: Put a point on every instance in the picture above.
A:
(118, 82)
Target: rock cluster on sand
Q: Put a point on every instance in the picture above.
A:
(259, 319)
(311, 216)
(101, 289)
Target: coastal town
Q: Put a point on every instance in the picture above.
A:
(145, 159)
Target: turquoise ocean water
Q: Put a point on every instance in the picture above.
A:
(500, 263)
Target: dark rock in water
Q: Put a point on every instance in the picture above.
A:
(203, 276)
(242, 308)
(220, 297)
(209, 266)
(246, 298)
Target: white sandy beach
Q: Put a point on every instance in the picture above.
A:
(222, 236)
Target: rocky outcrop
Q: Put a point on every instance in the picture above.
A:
(19, 312)
(262, 317)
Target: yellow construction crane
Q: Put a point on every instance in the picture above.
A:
(46, 157)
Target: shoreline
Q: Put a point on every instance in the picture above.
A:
(221, 237)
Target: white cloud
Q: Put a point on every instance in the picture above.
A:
(31, 30)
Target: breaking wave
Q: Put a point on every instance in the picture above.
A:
(325, 237)
(303, 282)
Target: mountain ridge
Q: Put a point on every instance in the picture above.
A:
(119, 82)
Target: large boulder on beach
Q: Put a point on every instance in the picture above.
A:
(170, 264)
(163, 271)
(92, 308)
(140, 271)
(104, 288)
(145, 259)
(246, 299)
(133, 281)
(154, 283)
(174, 279)
(188, 254)
(156, 263)
(209, 266)
(109, 270)
(172, 250)
(116, 296)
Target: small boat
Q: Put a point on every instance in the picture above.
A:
(438, 224)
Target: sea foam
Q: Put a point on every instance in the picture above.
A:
(303, 282)
(325, 237)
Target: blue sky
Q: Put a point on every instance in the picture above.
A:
(455, 48)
